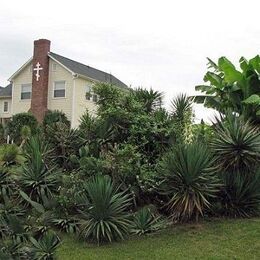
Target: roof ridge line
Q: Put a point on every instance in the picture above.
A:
(81, 63)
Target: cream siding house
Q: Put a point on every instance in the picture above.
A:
(5, 104)
(68, 83)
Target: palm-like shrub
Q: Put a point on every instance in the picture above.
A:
(10, 250)
(240, 196)
(182, 117)
(150, 99)
(181, 107)
(7, 184)
(188, 181)
(45, 247)
(10, 155)
(104, 217)
(145, 221)
(236, 145)
(37, 179)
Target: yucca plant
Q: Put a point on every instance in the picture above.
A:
(182, 117)
(37, 143)
(37, 179)
(7, 184)
(104, 217)
(10, 250)
(150, 99)
(44, 248)
(10, 155)
(189, 181)
(236, 145)
(145, 221)
(240, 195)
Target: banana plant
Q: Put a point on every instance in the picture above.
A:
(231, 89)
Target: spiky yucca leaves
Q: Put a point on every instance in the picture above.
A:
(236, 145)
(240, 196)
(10, 250)
(45, 247)
(37, 143)
(7, 184)
(182, 117)
(10, 154)
(104, 217)
(145, 221)
(150, 99)
(181, 107)
(188, 180)
(37, 179)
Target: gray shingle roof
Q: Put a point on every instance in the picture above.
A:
(7, 91)
(87, 71)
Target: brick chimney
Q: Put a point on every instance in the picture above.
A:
(40, 78)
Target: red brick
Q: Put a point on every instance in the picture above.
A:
(40, 88)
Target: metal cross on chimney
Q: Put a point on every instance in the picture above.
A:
(38, 69)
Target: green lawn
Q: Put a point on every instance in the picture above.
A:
(215, 239)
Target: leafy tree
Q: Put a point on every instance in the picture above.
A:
(18, 121)
(232, 89)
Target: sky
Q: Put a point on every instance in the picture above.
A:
(145, 43)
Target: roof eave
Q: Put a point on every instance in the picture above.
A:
(61, 64)
(20, 69)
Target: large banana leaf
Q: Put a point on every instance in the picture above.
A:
(231, 74)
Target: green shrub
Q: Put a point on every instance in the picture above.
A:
(104, 216)
(240, 196)
(188, 181)
(55, 116)
(2, 134)
(145, 221)
(45, 247)
(236, 145)
(37, 179)
(15, 125)
(10, 154)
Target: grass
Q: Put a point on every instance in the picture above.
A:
(215, 239)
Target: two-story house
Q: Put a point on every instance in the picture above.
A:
(49, 81)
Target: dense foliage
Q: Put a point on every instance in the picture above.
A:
(188, 180)
(104, 215)
(232, 89)
(131, 169)
(14, 126)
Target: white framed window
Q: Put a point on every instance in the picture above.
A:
(90, 95)
(54, 67)
(6, 106)
(59, 89)
(26, 91)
